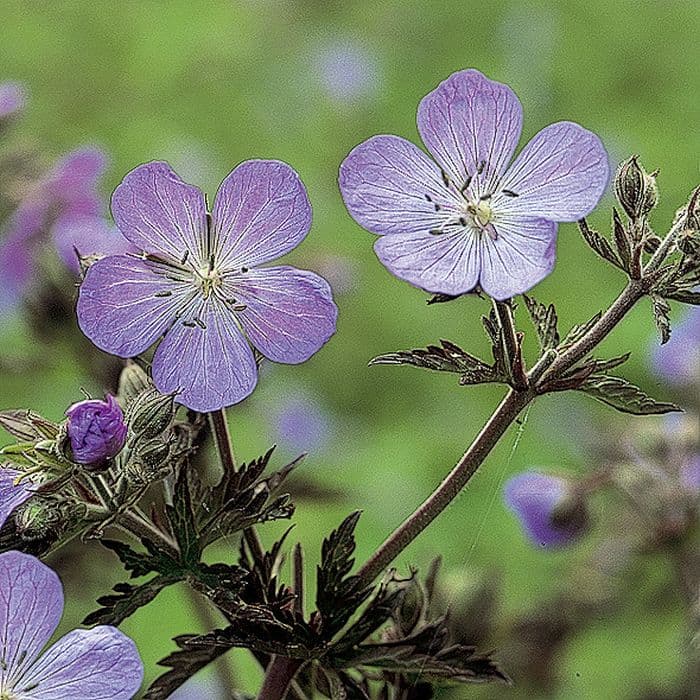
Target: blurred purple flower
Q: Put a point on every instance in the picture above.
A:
(346, 70)
(13, 98)
(88, 664)
(12, 493)
(690, 474)
(678, 361)
(468, 218)
(303, 425)
(67, 193)
(341, 272)
(547, 508)
(96, 430)
(198, 282)
(196, 689)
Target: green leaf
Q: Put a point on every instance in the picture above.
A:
(544, 318)
(623, 241)
(686, 297)
(662, 317)
(579, 330)
(623, 396)
(599, 243)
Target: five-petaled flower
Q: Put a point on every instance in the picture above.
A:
(467, 219)
(89, 664)
(198, 284)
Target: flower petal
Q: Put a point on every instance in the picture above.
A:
(261, 212)
(125, 305)
(289, 313)
(209, 368)
(96, 664)
(391, 186)
(161, 214)
(31, 605)
(447, 264)
(469, 120)
(560, 175)
(11, 494)
(521, 256)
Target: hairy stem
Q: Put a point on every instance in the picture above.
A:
(278, 677)
(454, 482)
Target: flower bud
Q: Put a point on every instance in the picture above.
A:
(96, 430)
(151, 413)
(635, 188)
(550, 511)
(37, 518)
(132, 381)
(149, 463)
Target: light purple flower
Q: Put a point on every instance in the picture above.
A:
(346, 70)
(68, 192)
(90, 664)
(690, 474)
(547, 508)
(678, 361)
(13, 98)
(302, 424)
(467, 218)
(12, 492)
(198, 283)
(96, 430)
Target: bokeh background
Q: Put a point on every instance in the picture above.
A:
(207, 85)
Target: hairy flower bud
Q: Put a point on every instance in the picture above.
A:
(549, 509)
(151, 413)
(38, 518)
(635, 188)
(133, 381)
(96, 430)
(150, 462)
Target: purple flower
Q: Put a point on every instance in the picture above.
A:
(68, 192)
(346, 70)
(468, 219)
(88, 664)
(198, 282)
(678, 361)
(12, 99)
(12, 492)
(96, 430)
(690, 474)
(548, 510)
(303, 425)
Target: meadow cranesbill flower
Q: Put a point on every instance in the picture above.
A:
(549, 510)
(468, 218)
(87, 664)
(198, 284)
(302, 424)
(96, 430)
(13, 492)
(678, 361)
(347, 70)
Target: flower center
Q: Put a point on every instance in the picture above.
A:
(480, 212)
(208, 279)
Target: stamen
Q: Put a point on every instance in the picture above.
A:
(437, 206)
(235, 306)
(485, 197)
(163, 294)
(445, 177)
(510, 193)
(480, 167)
(462, 221)
(466, 184)
(211, 263)
(244, 270)
(436, 231)
(29, 688)
(186, 255)
(189, 324)
(428, 197)
(200, 323)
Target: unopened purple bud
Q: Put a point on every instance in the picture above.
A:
(96, 430)
(549, 510)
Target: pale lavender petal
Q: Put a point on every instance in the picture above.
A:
(15, 272)
(12, 494)
(289, 313)
(31, 605)
(124, 305)
(85, 236)
(72, 185)
(447, 263)
(97, 664)
(521, 256)
(346, 70)
(209, 367)
(391, 186)
(560, 175)
(261, 212)
(678, 361)
(471, 123)
(13, 97)
(161, 214)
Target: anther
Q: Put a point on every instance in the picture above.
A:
(510, 193)
(466, 184)
(428, 197)
(485, 197)
(437, 206)
(462, 221)
(183, 259)
(445, 178)
(200, 323)
(244, 269)
(189, 324)
(163, 294)
(436, 231)
(480, 167)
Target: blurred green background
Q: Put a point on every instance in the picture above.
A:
(207, 85)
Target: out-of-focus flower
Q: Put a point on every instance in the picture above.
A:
(196, 689)
(13, 98)
(88, 664)
(302, 424)
(59, 205)
(550, 512)
(689, 474)
(341, 271)
(198, 282)
(12, 492)
(347, 70)
(96, 430)
(678, 361)
(469, 219)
